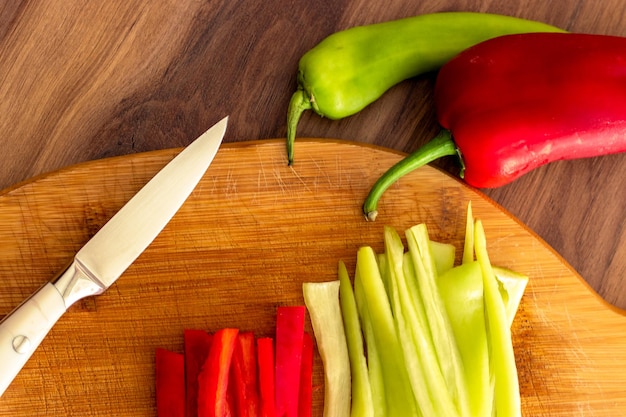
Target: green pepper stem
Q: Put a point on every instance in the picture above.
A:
(441, 145)
(297, 105)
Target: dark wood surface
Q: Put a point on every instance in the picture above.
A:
(83, 80)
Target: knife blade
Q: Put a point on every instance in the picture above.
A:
(105, 257)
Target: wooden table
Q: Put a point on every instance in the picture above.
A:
(82, 80)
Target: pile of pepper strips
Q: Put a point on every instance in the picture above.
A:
(233, 373)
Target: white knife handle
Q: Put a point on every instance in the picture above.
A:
(22, 331)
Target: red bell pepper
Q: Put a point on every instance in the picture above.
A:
(513, 103)
(197, 346)
(305, 398)
(244, 376)
(214, 376)
(170, 383)
(267, 381)
(289, 341)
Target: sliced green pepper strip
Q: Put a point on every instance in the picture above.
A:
(468, 245)
(322, 302)
(362, 403)
(417, 345)
(397, 386)
(440, 146)
(512, 286)
(443, 255)
(374, 366)
(503, 366)
(442, 336)
(461, 289)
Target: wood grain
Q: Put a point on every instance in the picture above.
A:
(83, 80)
(249, 235)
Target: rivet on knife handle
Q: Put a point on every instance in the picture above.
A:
(22, 331)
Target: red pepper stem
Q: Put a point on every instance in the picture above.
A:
(441, 145)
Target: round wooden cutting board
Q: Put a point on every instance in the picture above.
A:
(252, 231)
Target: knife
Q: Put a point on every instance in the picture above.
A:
(102, 260)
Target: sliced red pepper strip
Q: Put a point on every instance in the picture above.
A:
(170, 383)
(267, 383)
(305, 397)
(230, 409)
(289, 340)
(244, 376)
(197, 346)
(214, 376)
